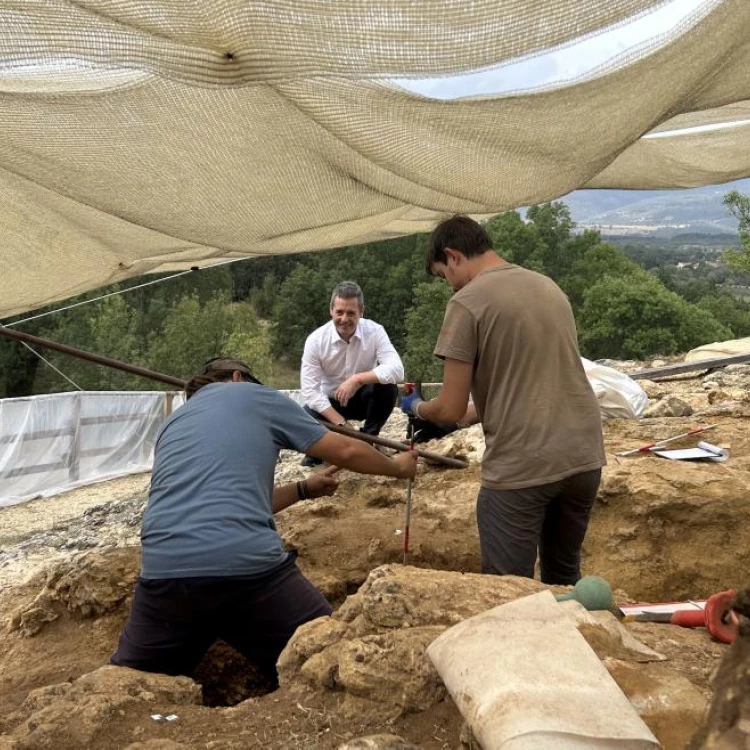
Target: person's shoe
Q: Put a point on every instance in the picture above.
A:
(310, 461)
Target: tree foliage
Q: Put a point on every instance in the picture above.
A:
(261, 310)
(423, 322)
(739, 207)
(636, 316)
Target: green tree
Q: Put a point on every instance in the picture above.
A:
(249, 340)
(730, 312)
(516, 241)
(595, 263)
(739, 207)
(301, 306)
(191, 334)
(423, 321)
(637, 317)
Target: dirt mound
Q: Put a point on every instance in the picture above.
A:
(661, 531)
(365, 668)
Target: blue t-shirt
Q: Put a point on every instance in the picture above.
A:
(209, 511)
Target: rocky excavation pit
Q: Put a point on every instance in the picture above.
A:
(661, 531)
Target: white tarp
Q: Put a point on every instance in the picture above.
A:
(53, 443)
(719, 349)
(619, 396)
(145, 135)
(524, 678)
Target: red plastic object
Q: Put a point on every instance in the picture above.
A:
(718, 617)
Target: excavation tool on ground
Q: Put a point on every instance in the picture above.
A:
(593, 592)
(661, 443)
(116, 364)
(717, 616)
(409, 388)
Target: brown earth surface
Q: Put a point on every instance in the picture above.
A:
(661, 531)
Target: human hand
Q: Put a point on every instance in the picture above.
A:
(407, 462)
(347, 389)
(321, 483)
(410, 402)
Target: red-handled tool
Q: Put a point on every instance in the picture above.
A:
(659, 443)
(718, 617)
(409, 388)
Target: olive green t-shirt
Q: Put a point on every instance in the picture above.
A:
(540, 417)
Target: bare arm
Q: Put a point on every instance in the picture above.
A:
(350, 386)
(452, 403)
(470, 417)
(317, 484)
(284, 496)
(332, 416)
(357, 455)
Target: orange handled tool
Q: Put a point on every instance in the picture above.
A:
(719, 618)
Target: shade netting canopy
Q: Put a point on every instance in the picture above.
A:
(154, 135)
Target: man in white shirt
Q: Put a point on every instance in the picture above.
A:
(349, 367)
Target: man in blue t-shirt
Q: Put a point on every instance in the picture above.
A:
(214, 565)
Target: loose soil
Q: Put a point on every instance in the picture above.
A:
(662, 531)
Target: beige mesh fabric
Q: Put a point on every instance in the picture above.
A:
(141, 136)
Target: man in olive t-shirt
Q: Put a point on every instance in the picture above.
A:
(509, 338)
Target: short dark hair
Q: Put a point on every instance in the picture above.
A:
(348, 290)
(218, 370)
(459, 233)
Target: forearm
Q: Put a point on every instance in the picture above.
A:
(355, 455)
(283, 496)
(364, 378)
(364, 459)
(451, 404)
(438, 412)
(332, 415)
(470, 417)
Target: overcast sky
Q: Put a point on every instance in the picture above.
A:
(560, 65)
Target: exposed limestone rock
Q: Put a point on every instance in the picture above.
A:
(727, 397)
(373, 648)
(608, 637)
(391, 668)
(653, 390)
(658, 525)
(668, 702)
(88, 585)
(669, 406)
(372, 651)
(81, 710)
(737, 376)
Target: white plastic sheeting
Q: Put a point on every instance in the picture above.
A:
(524, 678)
(52, 443)
(619, 396)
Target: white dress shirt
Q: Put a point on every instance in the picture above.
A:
(328, 360)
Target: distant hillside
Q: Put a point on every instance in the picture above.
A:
(655, 211)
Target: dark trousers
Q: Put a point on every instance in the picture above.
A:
(551, 518)
(372, 403)
(173, 622)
